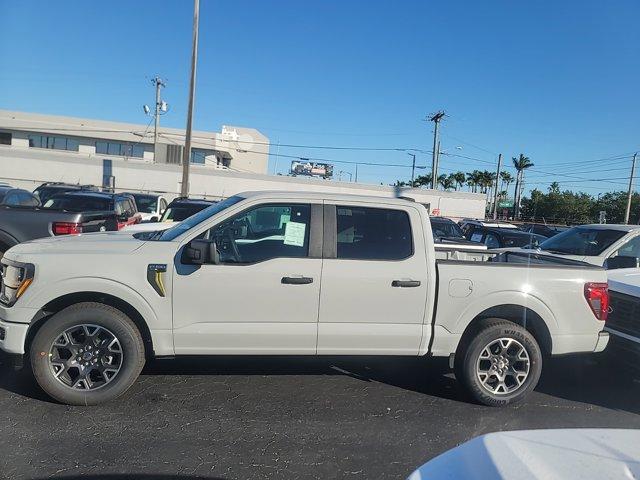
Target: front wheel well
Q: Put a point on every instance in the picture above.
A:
(65, 301)
(518, 314)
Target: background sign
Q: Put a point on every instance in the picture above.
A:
(312, 169)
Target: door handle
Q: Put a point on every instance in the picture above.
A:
(296, 280)
(405, 283)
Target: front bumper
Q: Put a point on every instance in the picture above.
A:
(13, 337)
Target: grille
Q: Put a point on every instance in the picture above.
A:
(625, 314)
(2, 333)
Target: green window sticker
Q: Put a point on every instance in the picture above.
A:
(294, 234)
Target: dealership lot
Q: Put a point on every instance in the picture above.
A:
(300, 417)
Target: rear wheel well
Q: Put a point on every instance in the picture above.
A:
(523, 316)
(65, 301)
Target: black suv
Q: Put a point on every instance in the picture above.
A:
(496, 237)
(48, 189)
(182, 208)
(122, 204)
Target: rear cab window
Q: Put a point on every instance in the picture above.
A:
(364, 233)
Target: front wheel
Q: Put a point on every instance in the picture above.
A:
(500, 364)
(86, 354)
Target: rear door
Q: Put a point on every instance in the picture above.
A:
(374, 280)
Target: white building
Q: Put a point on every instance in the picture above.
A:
(38, 148)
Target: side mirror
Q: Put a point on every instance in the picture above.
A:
(622, 262)
(200, 252)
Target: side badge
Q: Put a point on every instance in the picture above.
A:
(155, 273)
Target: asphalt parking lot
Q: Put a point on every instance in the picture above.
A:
(302, 417)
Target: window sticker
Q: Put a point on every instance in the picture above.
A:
(294, 234)
(284, 218)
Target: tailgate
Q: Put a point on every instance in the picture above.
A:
(98, 221)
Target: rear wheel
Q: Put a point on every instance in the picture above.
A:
(87, 354)
(500, 363)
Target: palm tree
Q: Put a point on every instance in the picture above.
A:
(422, 180)
(459, 178)
(521, 163)
(506, 179)
(446, 182)
(473, 180)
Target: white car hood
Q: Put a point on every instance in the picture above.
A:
(103, 242)
(625, 280)
(596, 454)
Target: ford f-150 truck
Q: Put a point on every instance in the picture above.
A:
(291, 273)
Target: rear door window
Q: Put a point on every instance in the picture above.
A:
(477, 235)
(373, 233)
(492, 241)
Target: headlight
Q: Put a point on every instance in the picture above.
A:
(16, 278)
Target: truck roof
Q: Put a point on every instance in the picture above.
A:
(325, 196)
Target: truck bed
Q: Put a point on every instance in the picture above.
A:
(521, 285)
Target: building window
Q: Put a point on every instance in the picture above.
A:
(119, 149)
(198, 155)
(54, 143)
(5, 138)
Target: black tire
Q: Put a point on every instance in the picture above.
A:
(114, 321)
(467, 362)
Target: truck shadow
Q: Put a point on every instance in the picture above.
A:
(599, 380)
(603, 379)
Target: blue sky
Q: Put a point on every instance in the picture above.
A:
(557, 81)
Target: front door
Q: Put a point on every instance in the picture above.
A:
(263, 295)
(374, 280)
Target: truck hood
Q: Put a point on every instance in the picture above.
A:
(92, 243)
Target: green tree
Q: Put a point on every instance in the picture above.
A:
(521, 163)
(459, 178)
(506, 179)
(446, 182)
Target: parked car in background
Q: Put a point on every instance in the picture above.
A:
(500, 237)
(123, 205)
(45, 191)
(624, 313)
(17, 197)
(151, 206)
(543, 229)
(291, 273)
(178, 210)
(22, 223)
(468, 224)
(610, 246)
(447, 234)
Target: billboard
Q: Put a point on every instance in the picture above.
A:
(311, 169)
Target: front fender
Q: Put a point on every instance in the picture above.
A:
(496, 299)
(39, 298)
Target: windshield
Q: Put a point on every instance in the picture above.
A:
(78, 204)
(582, 241)
(443, 228)
(146, 203)
(192, 221)
(181, 211)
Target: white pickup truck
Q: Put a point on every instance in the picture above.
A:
(291, 273)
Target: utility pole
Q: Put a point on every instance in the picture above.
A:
(186, 158)
(435, 118)
(159, 84)
(630, 194)
(356, 173)
(413, 168)
(495, 192)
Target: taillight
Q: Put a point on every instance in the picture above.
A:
(66, 228)
(597, 295)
